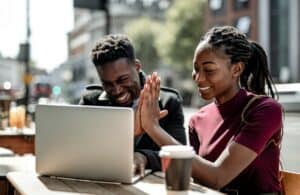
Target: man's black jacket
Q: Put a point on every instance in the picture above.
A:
(173, 123)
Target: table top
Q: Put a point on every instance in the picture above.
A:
(24, 163)
(31, 184)
(20, 171)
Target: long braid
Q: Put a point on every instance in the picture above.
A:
(261, 75)
(236, 45)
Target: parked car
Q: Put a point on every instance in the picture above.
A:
(289, 96)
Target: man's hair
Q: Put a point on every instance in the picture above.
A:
(111, 48)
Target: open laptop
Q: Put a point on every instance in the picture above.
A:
(85, 142)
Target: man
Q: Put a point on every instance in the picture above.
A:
(122, 81)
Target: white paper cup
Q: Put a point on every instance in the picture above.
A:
(177, 165)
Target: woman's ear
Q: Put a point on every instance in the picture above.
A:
(237, 69)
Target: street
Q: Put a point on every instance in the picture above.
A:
(290, 150)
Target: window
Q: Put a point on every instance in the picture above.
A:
(79, 73)
(241, 4)
(217, 7)
(279, 31)
(244, 24)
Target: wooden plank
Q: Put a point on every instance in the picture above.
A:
(97, 188)
(31, 184)
(19, 144)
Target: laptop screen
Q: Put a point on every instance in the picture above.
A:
(85, 142)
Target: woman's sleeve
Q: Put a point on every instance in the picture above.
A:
(264, 122)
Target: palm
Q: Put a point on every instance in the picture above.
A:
(149, 108)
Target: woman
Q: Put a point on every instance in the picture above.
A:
(236, 136)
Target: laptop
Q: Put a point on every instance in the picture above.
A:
(85, 142)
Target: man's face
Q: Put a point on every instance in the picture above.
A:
(120, 80)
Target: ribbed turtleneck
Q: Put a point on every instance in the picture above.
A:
(234, 104)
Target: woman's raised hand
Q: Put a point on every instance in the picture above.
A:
(150, 111)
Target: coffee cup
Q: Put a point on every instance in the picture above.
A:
(177, 165)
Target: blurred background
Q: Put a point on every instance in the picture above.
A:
(45, 46)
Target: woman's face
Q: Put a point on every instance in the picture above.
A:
(214, 74)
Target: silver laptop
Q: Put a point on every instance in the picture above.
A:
(85, 142)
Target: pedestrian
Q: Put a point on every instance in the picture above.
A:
(237, 136)
(122, 78)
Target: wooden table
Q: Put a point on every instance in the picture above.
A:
(25, 181)
(31, 184)
(20, 142)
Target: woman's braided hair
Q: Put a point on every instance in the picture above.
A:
(111, 48)
(236, 45)
(255, 75)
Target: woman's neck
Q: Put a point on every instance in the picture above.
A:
(228, 96)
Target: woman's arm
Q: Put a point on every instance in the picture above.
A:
(149, 110)
(233, 160)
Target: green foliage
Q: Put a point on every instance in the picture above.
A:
(171, 42)
(182, 32)
(142, 32)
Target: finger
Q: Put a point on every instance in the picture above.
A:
(163, 114)
(138, 129)
(148, 80)
(151, 85)
(147, 93)
(144, 96)
(142, 170)
(137, 116)
(157, 87)
(147, 84)
(153, 78)
(141, 98)
(153, 75)
(138, 122)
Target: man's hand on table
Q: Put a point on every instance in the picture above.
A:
(140, 162)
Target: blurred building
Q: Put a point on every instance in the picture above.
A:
(90, 26)
(274, 24)
(11, 74)
(11, 85)
(240, 13)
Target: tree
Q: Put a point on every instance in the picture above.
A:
(142, 32)
(182, 32)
